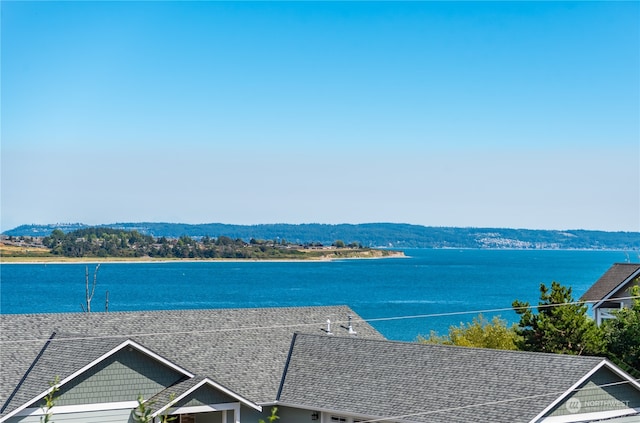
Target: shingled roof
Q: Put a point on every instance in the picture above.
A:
(285, 356)
(427, 383)
(613, 279)
(174, 394)
(244, 350)
(64, 357)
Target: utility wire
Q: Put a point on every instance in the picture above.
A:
(497, 402)
(298, 325)
(395, 417)
(493, 310)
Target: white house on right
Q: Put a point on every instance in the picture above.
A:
(612, 291)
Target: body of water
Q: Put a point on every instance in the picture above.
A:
(403, 297)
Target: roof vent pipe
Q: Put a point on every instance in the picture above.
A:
(329, 327)
(351, 331)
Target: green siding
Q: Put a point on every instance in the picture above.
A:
(203, 396)
(121, 377)
(292, 415)
(209, 417)
(593, 397)
(286, 414)
(250, 415)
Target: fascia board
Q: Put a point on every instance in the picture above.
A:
(588, 417)
(127, 343)
(617, 370)
(157, 357)
(214, 385)
(67, 409)
(568, 391)
(605, 363)
(617, 288)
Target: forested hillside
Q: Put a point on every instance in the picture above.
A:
(393, 235)
(120, 243)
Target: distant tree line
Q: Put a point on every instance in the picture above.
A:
(107, 242)
(397, 235)
(559, 324)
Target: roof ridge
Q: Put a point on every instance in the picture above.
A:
(191, 310)
(458, 347)
(27, 373)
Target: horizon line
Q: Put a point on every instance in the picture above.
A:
(311, 223)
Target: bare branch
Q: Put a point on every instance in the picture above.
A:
(89, 297)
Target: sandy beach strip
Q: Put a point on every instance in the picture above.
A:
(138, 260)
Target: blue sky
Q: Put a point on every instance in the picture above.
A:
(501, 114)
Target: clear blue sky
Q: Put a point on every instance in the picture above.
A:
(501, 114)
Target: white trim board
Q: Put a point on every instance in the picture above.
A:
(127, 343)
(212, 384)
(604, 363)
(616, 289)
(591, 416)
(66, 409)
(206, 408)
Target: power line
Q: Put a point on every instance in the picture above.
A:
(493, 310)
(298, 325)
(497, 402)
(404, 416)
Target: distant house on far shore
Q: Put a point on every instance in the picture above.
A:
(611, 292)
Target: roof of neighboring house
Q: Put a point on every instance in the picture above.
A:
(61, 359)
(426, 383)
(269, 355)
(47, 366)
(244, 350)
(176, 393)
(613, 279)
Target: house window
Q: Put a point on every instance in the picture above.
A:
(186, 418)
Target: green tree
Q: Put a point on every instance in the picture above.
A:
(561, 324)
(54, 241)
(50, 401)
(143, 413)
(480, 333)
(273, 417)
(622, 334)
(224, 240)
(339, 244)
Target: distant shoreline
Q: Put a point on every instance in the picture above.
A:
(389, 235)
(137, 260)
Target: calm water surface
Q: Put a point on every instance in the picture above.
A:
(429, 282)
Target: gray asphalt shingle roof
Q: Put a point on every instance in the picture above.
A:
(373, 378)
(612, 279)
(60, 357)
(244, 350)
(165, 397)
